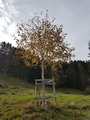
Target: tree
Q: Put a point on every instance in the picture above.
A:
(82, 76)
(6, 56)
(42, 40)
(89, 48)
(72, 74)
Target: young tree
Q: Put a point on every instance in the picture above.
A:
(42, 40)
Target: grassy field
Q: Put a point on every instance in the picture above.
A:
(17, 102)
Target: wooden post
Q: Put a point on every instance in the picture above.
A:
(54, 93)
(43, 95)
(36, 93)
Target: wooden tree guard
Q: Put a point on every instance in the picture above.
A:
(43, 83)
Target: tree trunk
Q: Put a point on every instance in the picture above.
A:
(42, 69)
(43, 86)
(6, 66)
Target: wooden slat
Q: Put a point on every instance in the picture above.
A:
(45, 84)
(45, 97)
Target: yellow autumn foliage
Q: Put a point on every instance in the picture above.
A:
(43, 39)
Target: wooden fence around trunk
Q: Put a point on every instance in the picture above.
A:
(43, 83)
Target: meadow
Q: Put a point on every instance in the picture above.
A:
(17, 102)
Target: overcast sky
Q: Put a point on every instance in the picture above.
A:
(73, 14)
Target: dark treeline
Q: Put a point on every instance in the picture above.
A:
(75, 74)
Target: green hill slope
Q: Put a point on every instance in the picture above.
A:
(17, 102)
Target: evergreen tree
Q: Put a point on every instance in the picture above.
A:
(82, 81)
(89, 48)
(88, 72)
(72, 75)
(6, 57)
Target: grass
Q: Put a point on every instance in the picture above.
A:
(17, 102)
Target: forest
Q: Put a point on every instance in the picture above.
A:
(73, 74)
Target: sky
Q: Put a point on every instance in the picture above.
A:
(74, 15)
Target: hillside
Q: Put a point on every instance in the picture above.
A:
(17, 102)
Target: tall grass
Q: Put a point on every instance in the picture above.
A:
(17, 102)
